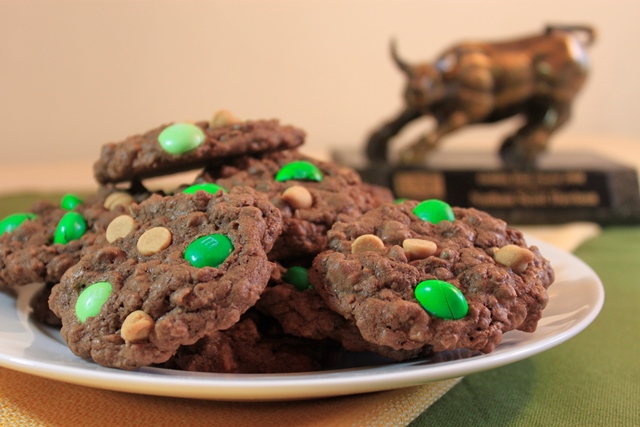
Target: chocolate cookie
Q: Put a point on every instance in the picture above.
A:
(40, 305)
(177, 268)
(40, 245)
(252, 346)
(302, 312)
(183, 146)
(422, 274)
(311, 194)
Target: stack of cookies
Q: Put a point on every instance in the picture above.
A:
(270, 261)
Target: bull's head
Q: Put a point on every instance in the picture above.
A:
(424, 82)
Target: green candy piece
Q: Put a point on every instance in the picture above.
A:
(434, 211)
(208, 187)
(298, 277)
(13, 221)
(72, 226)
(299, 170)
(208, 251)
(181, 138)
(442, 299)
(91, 300)
(70, 201)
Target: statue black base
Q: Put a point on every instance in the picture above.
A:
(562, 187)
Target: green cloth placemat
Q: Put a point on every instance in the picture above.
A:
(20, 202)
(591, 380)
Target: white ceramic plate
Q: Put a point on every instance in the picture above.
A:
(575, 300)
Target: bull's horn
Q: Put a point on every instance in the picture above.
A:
(406, 68)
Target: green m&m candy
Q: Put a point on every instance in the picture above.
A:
(208, 251)
(442, 299)
(71, 227)
(13, 221)
(299, 170)
(208, 187)
(434, 211)
(181, 138)
(91, 300)
(298, 277)
(70, 201)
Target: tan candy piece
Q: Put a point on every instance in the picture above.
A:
(366, 243)
(222, 118)
(297, 197)
(514, 257)
(119, 198)
(137, 326)
(418, 248)
(154, 240)
(119, 227)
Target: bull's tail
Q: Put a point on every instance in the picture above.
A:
(585, 33)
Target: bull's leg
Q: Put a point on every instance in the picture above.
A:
(524, 147)
(379, 140)
(418, 152)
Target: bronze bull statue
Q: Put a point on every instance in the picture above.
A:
(536, 77)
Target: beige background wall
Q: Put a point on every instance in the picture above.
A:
(77, 73)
